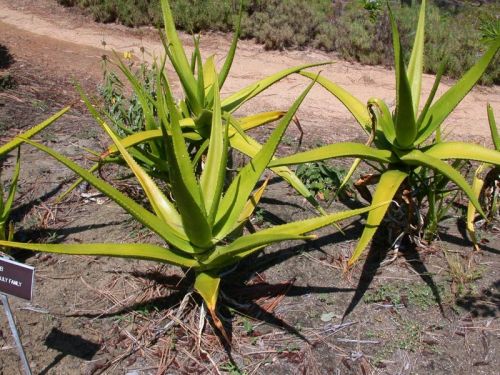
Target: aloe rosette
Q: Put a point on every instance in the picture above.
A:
(401, 140)
(200, 221)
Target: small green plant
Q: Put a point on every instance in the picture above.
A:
(126, 113)
(410, 337)
(417, 294)
(401, 142)
(461, 274)
(7, 81)
(248, 326)
(231, 369)
(323, 180)
(374, 7)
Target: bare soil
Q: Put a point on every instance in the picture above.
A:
(286, 311)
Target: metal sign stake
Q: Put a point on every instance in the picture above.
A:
(15, 333)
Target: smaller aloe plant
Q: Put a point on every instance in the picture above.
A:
(490, 181)
(6, 202)
(200, 221)
(401, 141)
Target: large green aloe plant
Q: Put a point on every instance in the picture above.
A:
(401, 141)
(197, 79)
(478, 184)
(6, 202)
(200, 223)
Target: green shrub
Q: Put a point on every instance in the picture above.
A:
(284, 24)
(455, 28)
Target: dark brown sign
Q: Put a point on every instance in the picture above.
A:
(16, 279)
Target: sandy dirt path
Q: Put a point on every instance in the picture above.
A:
(73, 44)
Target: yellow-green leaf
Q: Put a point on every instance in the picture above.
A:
(438, 112)
(121, 250)
(356, 107)
(234, 101)
(346, 149)
(9, 146)
(464, 151)
(384, 192)
(404, 122)
(416, 65)
(214, 172)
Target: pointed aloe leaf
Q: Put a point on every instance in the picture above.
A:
(168, 233)
(464, 151)
(404, 122)
(252, 203)
(353, 105)
(225, 255)
(384, 119)
(386, 189)
(417, 157)
(235, 126)
(477, 185)
(416, 65)
(451, 98)
(212, 177)
(234, 101)
(201, 151)
(143, 137)
(177, 56)
(240, 189)
(9, 146)
(121, 250)
(228, 62)
(207, 284)
(493, 128)
(185, 188)
(209, 75)
(346, 149)
(310, 225)
(347, 178)
(432, 94)
(201, 72)
(7, 206)
(259, 119)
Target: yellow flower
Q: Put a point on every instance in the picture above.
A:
(127, 55)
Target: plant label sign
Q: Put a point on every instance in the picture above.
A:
(16, 279)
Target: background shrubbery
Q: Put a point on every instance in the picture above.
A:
(453, 27)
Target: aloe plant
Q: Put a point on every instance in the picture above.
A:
(6, 202)
(402, 141)
(197, 80)
(479, 184)
(200, 223)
